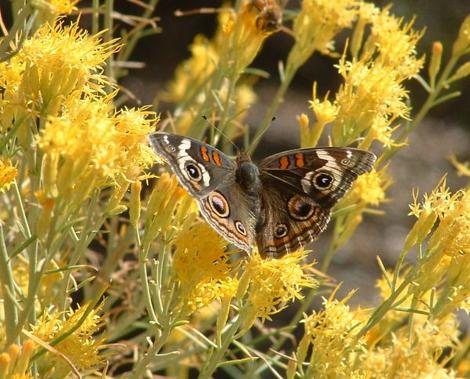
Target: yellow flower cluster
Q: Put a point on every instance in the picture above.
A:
(370, 188)
(209, 79)
(7, 175)
(169, 209)
(57, 76)
(415, 357)
(57, 7)
(372, 97)
(331, 347)
(446, 258)
(270, 284)
(318, 23)
(79, 344)
(331, 333)
(56, 64)
(201, 265)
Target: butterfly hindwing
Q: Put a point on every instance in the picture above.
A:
(289, 219)
(229, 211)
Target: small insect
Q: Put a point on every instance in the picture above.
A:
(269, 18)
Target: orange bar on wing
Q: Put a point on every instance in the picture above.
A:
(284, 162)
(216, 158)
(299, 160)
(204, 154)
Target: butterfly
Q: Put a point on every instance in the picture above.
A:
(280, 205)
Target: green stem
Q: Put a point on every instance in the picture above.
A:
(95, 18)
(143, 253)
(8, 291)
(217, 355)
(160, 340)
(332, 247)
(108, 36)
(33, 283)
(383, 308)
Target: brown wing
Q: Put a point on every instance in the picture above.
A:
(230, 212)
(209, 176)
(299, 189)
(289, 219)
(325, 174)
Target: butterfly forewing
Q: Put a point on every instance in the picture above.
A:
(325, 174)
(199, 167)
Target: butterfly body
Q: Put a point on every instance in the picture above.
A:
(280, 205)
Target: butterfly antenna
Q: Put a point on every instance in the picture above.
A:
(221, 133)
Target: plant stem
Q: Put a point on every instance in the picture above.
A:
(8, 289)
(108, 36)
(95, 18)
(217, 355)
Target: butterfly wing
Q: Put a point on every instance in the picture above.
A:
(299, 189)
(209, 176)
(199, 167)
(231, 213)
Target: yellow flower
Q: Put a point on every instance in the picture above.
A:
(325, 112)
(395, 43)
(415, 356)
(318, 23)
(447, 254)
(8, 174)
(201, 266)
(239, 44)
(169, 210)
(273, 283)
(95, 145)
(52, 8)
(370, 188)
(81, 347)
(463, 168)
(192, 75)
(14, 363)
(463, 40)
(331, 333)
(55, 63)
(372, 96)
